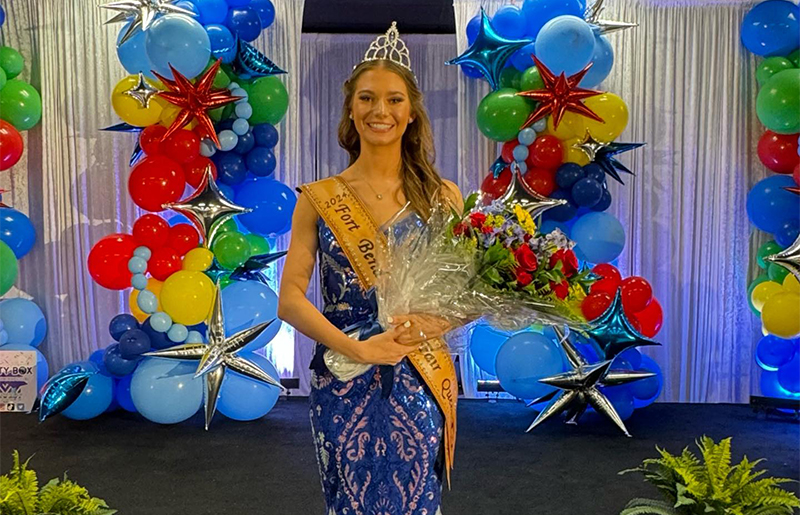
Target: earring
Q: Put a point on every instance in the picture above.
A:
(351, 116)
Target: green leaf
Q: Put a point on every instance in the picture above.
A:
(648, 507)
(470, 202)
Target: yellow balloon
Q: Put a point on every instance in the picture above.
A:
(791, 284)
(130, 110)
(198, 259)
(187, 297)
(154, 285)
(169, 114)
(574, 155)
(781, 315)
(610, 108)
(763, 292)
(563, 132)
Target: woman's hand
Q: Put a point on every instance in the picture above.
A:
(384, 348)
(423, 327)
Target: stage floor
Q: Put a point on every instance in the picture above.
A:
(268, 466)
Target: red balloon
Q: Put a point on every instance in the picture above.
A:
(609, 281)
(150, 139)
(541, 180)
(11, 145)
(778, 152)
(163, 263)
(507, 152)
(796, 174)
(108, 261)
(595, 304)
(183, 238)
(546, 152)
(196, 170)
(183, 146)
(155, 181)
(649, 319)
(151, 230)
(492, 187)
(636, 294)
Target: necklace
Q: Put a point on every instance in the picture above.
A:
(379, 196)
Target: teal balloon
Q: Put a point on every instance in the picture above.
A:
(24, 321)
(249, 303)
(524, 359)
(42, 368)
(484, 345)
(599, 237)
(165, 391)
(94, 400)
(242, 398)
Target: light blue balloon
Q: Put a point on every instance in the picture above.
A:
(239, 92)
(539, 125)
(194, 337)
(24, 321)
(247, 303)
(227, 140)
(139, 281)
(147, 302)
(523, 166)
(94, 400)
(602, 62)
(160, 322)
(137, 265)
(243, 110)
(272, 203)
(178, 333)
(565, 44)
(165, 391)
(524, 359)
(538, 12)
(42, 368)
(526, 136)
(484, 344)
(207, 148)
(180, 41)
(600, 237)
(3, 337)
(16, 231)
(143, 252)
(242, 398)
(240, 126)
(520, 153)
(549, 226)
(133, 55)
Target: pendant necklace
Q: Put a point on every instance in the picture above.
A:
(379, 196)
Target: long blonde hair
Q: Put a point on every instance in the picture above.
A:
(421, 182)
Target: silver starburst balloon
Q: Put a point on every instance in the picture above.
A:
(788, 258)
(528, 199)
(142, 13)
(219, 355)
(142, 92)
(579, 387)
(592, 17)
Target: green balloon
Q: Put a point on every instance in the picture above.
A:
(758, 280)
(258, 244)
(269, 99)
(501, 113)
(770, 66)
(20, 104)
(3, 78)
(510, 78)
(231, 249)
(795, 57)
(221, 80)
(228, 226)
(778, 102)
(767, 249)
(777, 273)
(531, 80)
(11, 61)
(8, 268)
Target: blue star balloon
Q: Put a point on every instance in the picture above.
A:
(253, 268)
(489, 52)
(498, 166)
(250, 63)
(61, 390)
(603, 154)
(614, 332)
(122, 127)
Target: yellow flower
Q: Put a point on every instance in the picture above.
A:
(525, 220)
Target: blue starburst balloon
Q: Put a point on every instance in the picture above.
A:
(498, 166)
(254, 269)
(614, 332)
(489, 52)
(250, 63)
(603, 154)
(61, 390)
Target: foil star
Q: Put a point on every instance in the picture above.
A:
(61, 390)
(250, 63)
(614, 332)
(498, 166)
(195, 100)
(2, 191)
(142, 92)
(603, 154)
(592, 17)
(219, 355)
(580, 387)
(788, 258)
(528, 199)
(560, 94)
(254, 268)
(792, 189)
(489, 52)
(142, 13)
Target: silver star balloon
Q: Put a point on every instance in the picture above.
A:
(788, 258)
(141, 14)
(208, 208)
(592, 17)
(142, 92)
(528, 199)
(589, 146)
(219, 355)
(579, 387)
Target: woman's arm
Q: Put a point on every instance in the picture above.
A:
(453, 194)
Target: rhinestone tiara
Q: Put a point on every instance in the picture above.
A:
(389, 47)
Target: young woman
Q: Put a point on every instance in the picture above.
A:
(384, 440)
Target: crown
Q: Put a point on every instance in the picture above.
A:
(389, 47)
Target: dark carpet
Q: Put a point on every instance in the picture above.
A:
(268, 466)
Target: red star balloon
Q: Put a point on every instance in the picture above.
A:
(195, 100)
(792, 189)
(560, 94)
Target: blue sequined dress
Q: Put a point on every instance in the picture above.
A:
(378, 436)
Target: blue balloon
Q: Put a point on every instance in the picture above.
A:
(565, 44)
(248, 303)
(773, 352)
(787, 233)
(223, 43)
(42, 369)
(509, 22)
(187, 4)
(587, 192)
(94, 400)
(23, 321)
(789, 375)
(602, 62)
(134, 343)
(771, 387)
(526, 136)
(562, 213)
(16, 231)
(115, 363)
(238, 3)
(244, 22)
(242, 398)
(646, 391)
(604, 202)
(631, 356)
(122, 323)
(594, 171)
(272, 203)
(245, 144)
(132, 54)
(261, 162)
(599, 236)
(226, 190)
(231, 168)
(96, 357)
(178, 219)
(769, 205)
(180, 41)
(165, 391)
(772, 28)
(539, 12)
(122, 393)
(524, 359)
(484, 344)
(266, 135)
(548, 226)
(471, 71)
(621, 398)
(568, 174)
(211, 11)
(521, 59)
(473, 27)
(2, 16)
(158, 339)
(265, 10)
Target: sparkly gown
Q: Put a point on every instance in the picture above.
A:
(378, 436)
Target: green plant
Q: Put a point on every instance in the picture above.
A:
(710, 487)
(20, 495)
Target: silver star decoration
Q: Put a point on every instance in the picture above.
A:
(142, 13)
(592, 17)
(589, 146)
(579, 387)
(142, 92)
(219, 355)
(208, 208)
(528, 199)
(788, 258)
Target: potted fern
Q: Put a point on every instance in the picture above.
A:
(711, 486)
(20, 495)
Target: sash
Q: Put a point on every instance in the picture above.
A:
(358, 234)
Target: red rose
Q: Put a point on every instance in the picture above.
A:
(569, 262)
(526, 259)
(477, 220)
(527, 238)
(523, 278)
(560, 289)
(459, 229)
(486, 229)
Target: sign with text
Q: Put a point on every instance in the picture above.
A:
(17, 380)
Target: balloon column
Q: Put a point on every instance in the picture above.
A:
(204, 103)
(557, 134)
(771, 29)
(20, 106)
